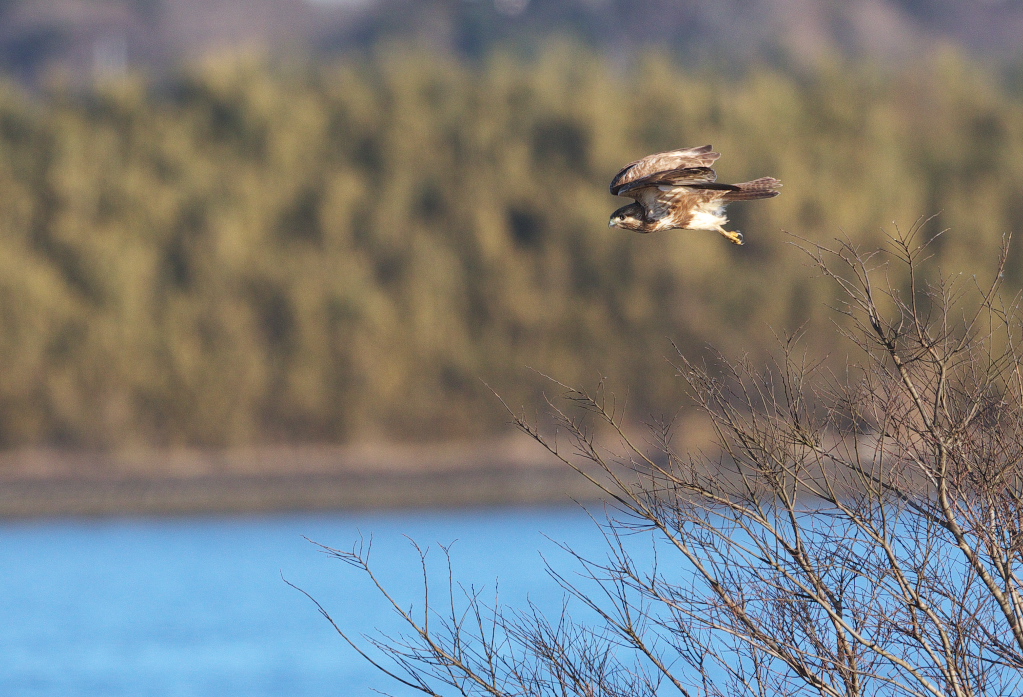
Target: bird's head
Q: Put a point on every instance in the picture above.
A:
(628, 217)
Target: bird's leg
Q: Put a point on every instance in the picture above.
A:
(733, 237)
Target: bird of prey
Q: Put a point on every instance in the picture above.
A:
(677, 189)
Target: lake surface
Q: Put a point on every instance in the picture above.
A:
(197, 606)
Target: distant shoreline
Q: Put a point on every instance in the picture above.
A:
(51, 483)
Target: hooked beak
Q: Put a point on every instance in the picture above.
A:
(611, 223)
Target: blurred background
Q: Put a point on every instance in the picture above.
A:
(238, 223)
(263, 255)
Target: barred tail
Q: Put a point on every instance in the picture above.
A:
(765, 187)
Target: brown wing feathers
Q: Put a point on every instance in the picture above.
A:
(698, 177)
(686, 158)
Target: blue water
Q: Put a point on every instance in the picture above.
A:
(196, 606)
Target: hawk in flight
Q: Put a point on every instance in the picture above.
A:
(677, 189)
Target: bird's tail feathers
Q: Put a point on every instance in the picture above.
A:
(765, 187)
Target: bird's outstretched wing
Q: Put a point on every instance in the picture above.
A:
(672, 161)
(666, 193)
(691, 177)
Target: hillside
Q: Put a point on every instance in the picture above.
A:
(88, 37)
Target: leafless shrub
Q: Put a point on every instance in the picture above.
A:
(855, 534)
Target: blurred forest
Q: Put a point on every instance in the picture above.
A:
(259, 251)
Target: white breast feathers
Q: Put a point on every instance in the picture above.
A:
(709, 216)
